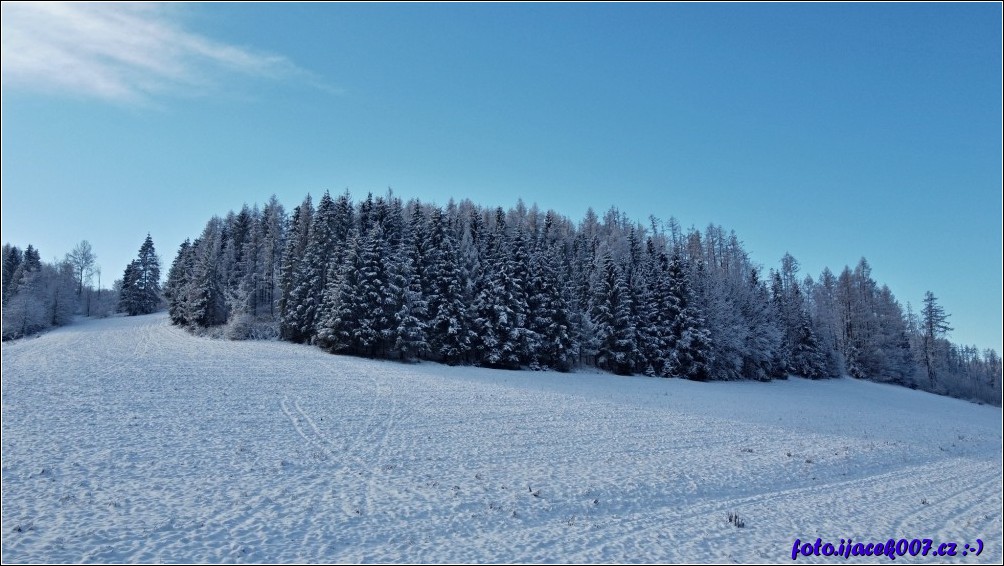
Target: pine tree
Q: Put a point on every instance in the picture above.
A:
(525, 342)
(450, 335)
(689, 339)
(205, 302)
(273, 238)
(801, 351)
(762, 359)
(12, 259)
(935, 324)
(296, 245)
(129, 301)
(32, 259)
(24, 311)
(612, 314)
(664, 311)
(409, 327)
(179, 279)
(500, 305)
(412, 289)
(343, 303)
(642, 309)
(148, 280)
(547, 312)
(310, 278)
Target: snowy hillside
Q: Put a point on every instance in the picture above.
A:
(129, 440)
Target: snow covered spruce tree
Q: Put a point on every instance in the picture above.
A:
(179, 279)
(547, 308)
(689, 342)
(311, 274)
(500, 304)
(140, 292)
(448, 331)
(12, 260)
(297, 237)
(617, 350)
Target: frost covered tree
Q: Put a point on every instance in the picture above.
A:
(547, 305)
(411, 287)
(689, 341)
(25, 312)
(141, 292)
(128, 296)
(297, 239)
(271, 234)
(180, 279)
(32, 259)
(500, 304)
(82, 259)
(873, 331)
(617, 349)
(12, 259)
(37, 295)
(802, 352)
(311, 274)
(449, 329)
(935, 322)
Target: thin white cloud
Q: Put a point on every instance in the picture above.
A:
(120, 52)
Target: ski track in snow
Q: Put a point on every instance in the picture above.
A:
(129, 440)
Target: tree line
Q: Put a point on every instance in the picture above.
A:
(40, 295)
(522, 288)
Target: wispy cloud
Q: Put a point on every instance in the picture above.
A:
(121, 52)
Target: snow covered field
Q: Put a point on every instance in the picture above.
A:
(129, 440)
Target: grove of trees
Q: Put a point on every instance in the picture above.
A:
(522, 288)
(38, 295)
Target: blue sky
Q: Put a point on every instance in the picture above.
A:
(830, 131)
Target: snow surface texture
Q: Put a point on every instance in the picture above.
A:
(129, 440)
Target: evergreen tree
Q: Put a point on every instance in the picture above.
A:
(525, 342)
(500, 305)
(310, 279)
(32, 259)
(647, 339)
(450, 335)
(343, 330)
(801, 352)
(612, 314)
(663, 312)
(409, 328)
(296, 245)
(148, 280)
(689, 339)
(935, 323)
(12, 259)
(411, 287)
(179, 279)
(202, 302)
(273, 237)
(547, 312)
(762, 349)
(513, 288)
(24, 312)
(129, 302)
